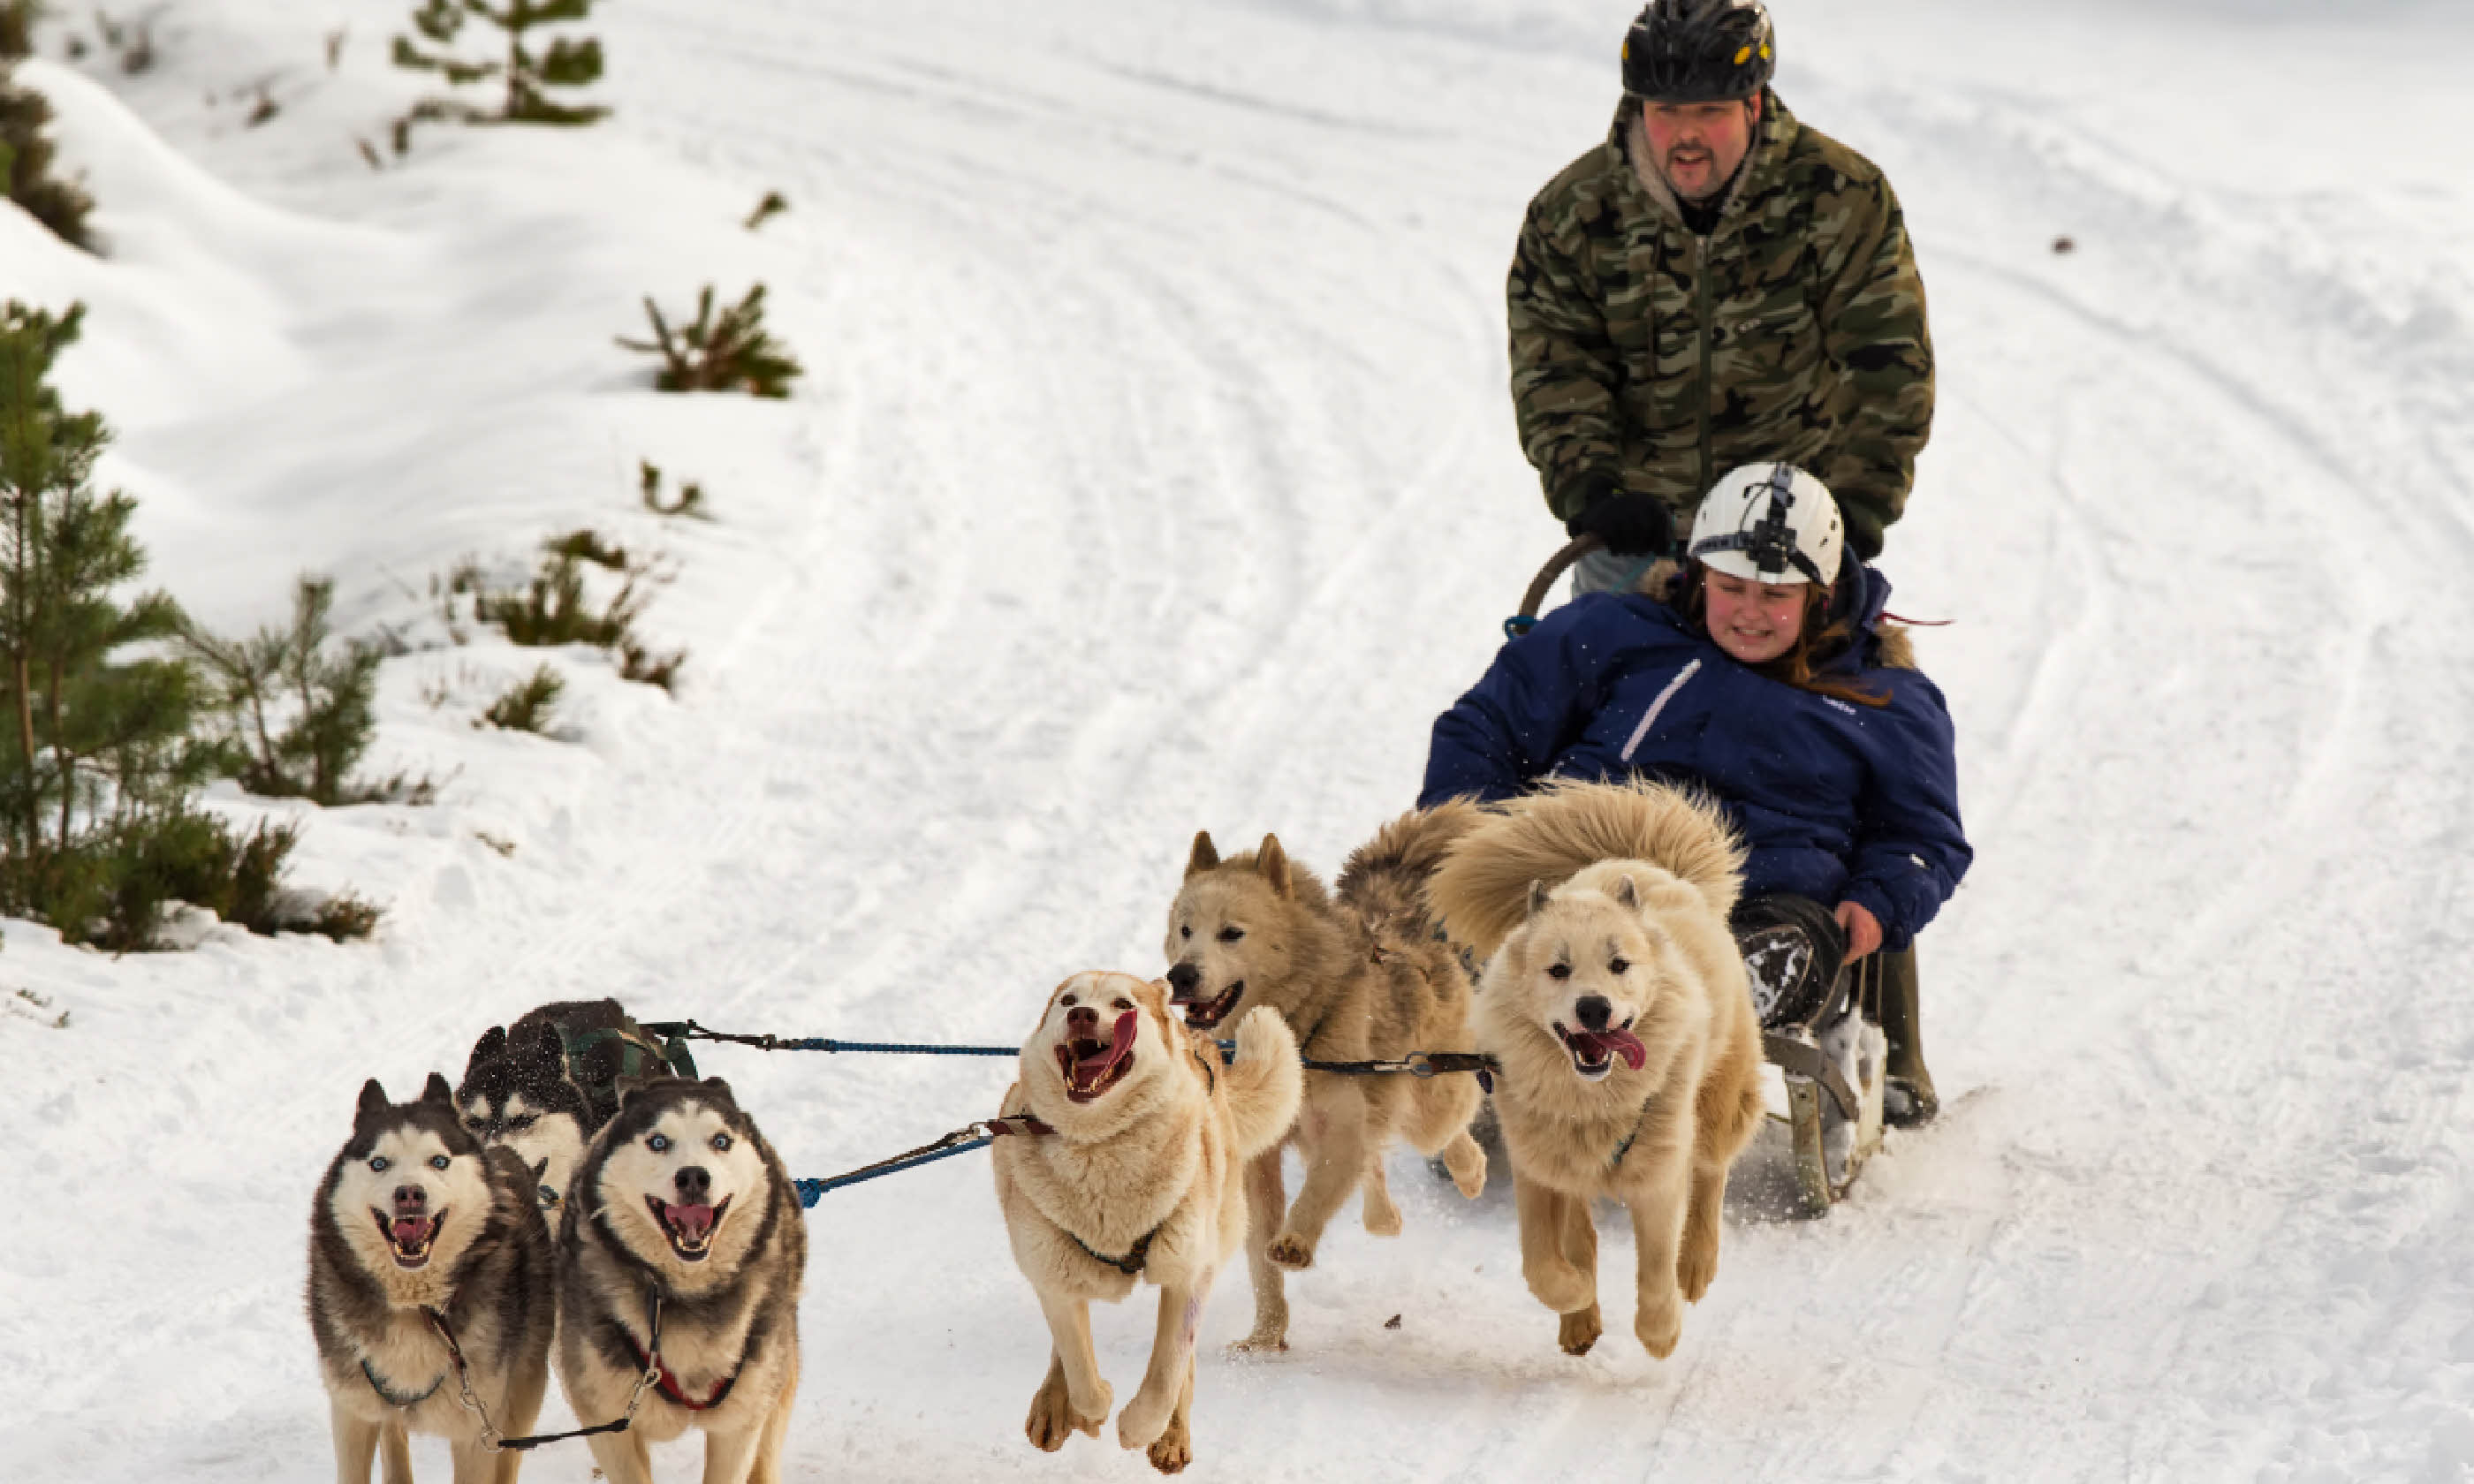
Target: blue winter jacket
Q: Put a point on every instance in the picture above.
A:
(1837, 802)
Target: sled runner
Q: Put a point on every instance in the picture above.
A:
(1830, 1050)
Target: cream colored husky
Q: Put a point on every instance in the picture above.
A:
(1616, 1004)
(1134, 1169)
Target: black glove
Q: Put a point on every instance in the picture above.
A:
(1632, 525)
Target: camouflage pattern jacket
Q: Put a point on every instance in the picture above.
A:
(1659, 360)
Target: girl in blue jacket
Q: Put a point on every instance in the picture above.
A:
(1780, 695)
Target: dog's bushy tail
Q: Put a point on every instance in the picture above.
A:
(1265, 1082)
(1482, 888)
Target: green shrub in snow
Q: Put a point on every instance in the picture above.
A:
(530, 73)
(26, 165)
(731, 351)
(297, 705)
(691, 498)
(556, 607)
(527, 704)
(104, 736)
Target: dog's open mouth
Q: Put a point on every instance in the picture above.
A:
(1594, 1052)
(1091, 1066)
(690, 1228)
(409, 1237)
(1204, 1014)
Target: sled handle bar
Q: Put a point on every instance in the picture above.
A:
(1557, 566)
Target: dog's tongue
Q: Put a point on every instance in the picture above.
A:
(409, 1230)
(1622, 1043)
(1090, 1070)
(691, 1222)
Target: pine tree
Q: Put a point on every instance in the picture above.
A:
(567, 62)
(26, 164)
(95, 744)
(325, 691)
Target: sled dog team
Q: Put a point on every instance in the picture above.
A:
(1612, 998)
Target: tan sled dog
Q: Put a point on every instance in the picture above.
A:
(1133, 1167)
(1617, 1005)
(1362, 977)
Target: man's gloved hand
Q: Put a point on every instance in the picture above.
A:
(1632, 525)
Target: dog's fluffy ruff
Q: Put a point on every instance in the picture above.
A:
(1482, 889)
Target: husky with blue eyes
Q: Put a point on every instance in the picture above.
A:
(682, 1247)
(429, 1290)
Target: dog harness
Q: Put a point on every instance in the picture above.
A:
(390, 1397)
(668, 1384)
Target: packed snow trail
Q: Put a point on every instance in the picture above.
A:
(1154, 473)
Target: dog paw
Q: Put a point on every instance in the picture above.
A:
(1580, 1329)
(1290, 1251)
(1660, 1324)
(1175, 1449)
(1695, 1264)
(1382, 1217)
(1467, 1168)
(1262, 1342)
(1145, 1419)
(1053, 1419)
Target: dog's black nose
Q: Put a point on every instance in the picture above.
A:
(411, 1195)
(695, 1183)
(1182, 980)
(1081, 1019)
(1593, 1011)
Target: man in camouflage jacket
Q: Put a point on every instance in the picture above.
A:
(1649, 357)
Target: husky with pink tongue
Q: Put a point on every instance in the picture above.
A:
(682, 1250)
(429, 1273)
(1125, 1161)
(1616, 1004)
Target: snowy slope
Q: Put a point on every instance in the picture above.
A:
(1153, 472)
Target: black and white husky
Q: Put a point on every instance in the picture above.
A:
(429, 1289)
(681, 1251)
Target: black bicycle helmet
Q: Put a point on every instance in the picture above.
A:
(1698, 51)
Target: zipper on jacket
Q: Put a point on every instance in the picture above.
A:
(1632, 744)
(1701, 257)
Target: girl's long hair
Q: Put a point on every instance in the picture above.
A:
(1816, 643)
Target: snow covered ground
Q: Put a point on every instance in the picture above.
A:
(1154, 473)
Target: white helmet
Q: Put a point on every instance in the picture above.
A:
(1769, 523)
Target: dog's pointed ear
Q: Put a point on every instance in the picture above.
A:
(436, 1090)
(541, 1045)
(1626, 894)
(1537, 897)
(1205, 856)
(491, 1047)
(373, 1099)
(1274, 862)
(626, 1087)
(718, 1089)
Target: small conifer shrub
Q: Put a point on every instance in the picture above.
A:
(689, 502)
(26, 166)
(556, 606)
(526, 705)
(731, 351)
(324, 692)
(530, 72)
(772, 206)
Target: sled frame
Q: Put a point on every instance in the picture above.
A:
(1815, 1107)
